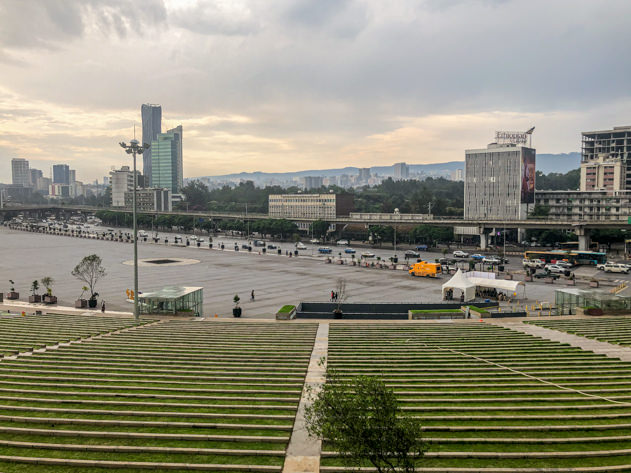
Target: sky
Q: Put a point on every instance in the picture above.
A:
(288, 85)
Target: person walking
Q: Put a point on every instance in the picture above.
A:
(103, 307)
(252, 296)
(332, 295)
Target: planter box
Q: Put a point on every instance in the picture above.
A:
(13, 295)
(92, 303)
(1, 297)
(34, 299)
(50, 299)
(286, 315)
(80, 303)
(236, 312)
(435, 315)
(593, 283)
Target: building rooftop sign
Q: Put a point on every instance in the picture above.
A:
(513, 137)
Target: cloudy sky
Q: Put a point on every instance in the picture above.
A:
(284, 85)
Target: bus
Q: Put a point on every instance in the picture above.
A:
(574, 257)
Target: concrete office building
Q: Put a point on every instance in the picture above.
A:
(499, 182)
(309, 206)
(585, 205)
(35, 174)
(400, 171)
(122, 181)
(61, 174)
(151, 128)
(457, 175)
(149, 199)
(20, 173)
(364, 175)
(606, 159)
(312, 182)
(164, 162)
(42, 185)
(177, 137)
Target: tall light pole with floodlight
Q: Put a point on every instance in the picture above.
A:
(134, 148)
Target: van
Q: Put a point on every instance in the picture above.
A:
(425, 269)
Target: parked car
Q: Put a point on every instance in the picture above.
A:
(533, 263)
(460, 254)
(477, 256)
(491, 260)
(412, 254)
(271, 247)
(447, 261)
(368, 254)
(244, 246)
(556, 269)
(349, 251)
(546, 274)
(315, 241)
(421, 248)
(325, 250)
(564, 264)
(601, 266)
(342, 242)
(301, 246)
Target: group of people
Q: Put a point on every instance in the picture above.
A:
(334, 296)
(449, 295)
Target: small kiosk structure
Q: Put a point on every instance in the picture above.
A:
(173, 300)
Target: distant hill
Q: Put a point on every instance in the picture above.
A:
(562, 162)
(546, 163)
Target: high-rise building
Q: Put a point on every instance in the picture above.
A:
(401, 171)
(312, 182)
(457, 175)
(499, 182)
(61, 174)
(177, 137)
(72, 176)
(606, 159)
(122, 181)
(20, 172)
(35, 175)
(151, 128)
(364, 175)
(164, 163)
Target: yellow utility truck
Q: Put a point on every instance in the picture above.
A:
(425, 269)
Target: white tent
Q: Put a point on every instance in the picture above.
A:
(510, 287)
(461, 283)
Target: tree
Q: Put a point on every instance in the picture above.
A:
(361, 420)
(540, 211)
(48, 282)
(90, 270)
(319, 228)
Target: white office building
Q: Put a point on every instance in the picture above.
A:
(122, 181)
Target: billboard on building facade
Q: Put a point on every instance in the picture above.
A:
(528, 176)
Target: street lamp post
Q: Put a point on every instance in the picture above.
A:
(134, 148)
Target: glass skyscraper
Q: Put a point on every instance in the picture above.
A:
(61, 174)
(164, 162)
(177, 136)
(151, 128)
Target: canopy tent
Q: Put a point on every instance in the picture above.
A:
(499, 284)
(461, 283)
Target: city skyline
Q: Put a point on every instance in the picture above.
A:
(305, 85)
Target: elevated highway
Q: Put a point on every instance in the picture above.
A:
(479, 227)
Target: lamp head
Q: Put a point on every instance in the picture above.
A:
(134, 142)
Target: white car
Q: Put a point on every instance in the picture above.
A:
(555, 268)
(368, 254)
(491, 260)
(460, 254)
(342, 242)
(533, 263)
(315, 241)
(616, 268)
(301, 246)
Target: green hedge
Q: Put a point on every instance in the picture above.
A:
(286, 309)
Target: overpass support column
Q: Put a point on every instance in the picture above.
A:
(484, 239)
(584, 240)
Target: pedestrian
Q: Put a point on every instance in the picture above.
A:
(252, 296)
(103, 307)
(332, 294)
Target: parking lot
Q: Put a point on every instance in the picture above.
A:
(276, 279)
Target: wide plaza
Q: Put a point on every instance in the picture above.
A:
(275, 279)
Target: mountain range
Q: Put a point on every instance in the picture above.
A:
(546, 163)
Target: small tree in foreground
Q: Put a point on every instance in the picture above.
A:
(360, 418)
(90, 270)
